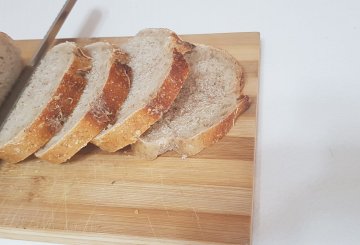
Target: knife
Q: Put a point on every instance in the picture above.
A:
(28, 70)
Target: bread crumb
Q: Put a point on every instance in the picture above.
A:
(183, 157)
(136, 211)
(137, 133)
(69, 100)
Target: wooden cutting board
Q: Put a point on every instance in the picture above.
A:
(117, 198)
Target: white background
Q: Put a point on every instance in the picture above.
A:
(308, 148)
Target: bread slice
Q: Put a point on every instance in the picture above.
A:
(159, 71)
(107, 88)
(49, 98)
(11, 64)
(205, 109)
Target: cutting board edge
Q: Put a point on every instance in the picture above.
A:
(94, 238)
(255, 140)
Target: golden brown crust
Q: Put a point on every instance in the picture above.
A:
(182, 46)
(52, 117)
(101, 114)
(197, 143)
(129, 131)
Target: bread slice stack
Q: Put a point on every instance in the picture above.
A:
(159, 71)
(107, 88)
(49, 98)
(155, 92)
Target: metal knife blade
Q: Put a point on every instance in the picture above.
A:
(28, 70)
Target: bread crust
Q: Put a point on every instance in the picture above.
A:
(102, 112)
(136, 124)
(50, 120)
(146, 150)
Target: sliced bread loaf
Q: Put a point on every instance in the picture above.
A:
(205, 109)
(108, 86)
(49, 98)
(159, 71)
(11, 64)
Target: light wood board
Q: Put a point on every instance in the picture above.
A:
(117, 198)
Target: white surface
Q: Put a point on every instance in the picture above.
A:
(307, 184)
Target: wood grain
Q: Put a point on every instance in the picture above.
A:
(117, 198)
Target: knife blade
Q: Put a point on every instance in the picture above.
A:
(28, 70)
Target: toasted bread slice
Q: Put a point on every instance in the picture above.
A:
(205, 109)
(49, 98)
(159, 71)
(107, 88)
